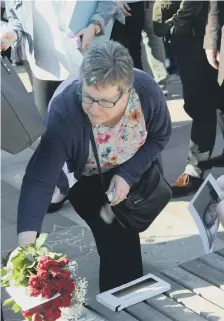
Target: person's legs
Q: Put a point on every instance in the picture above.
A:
(119, 34)
(135, 25)
(153, 51)
(118, 248)
(43, 91)
(201, 98)
(217, 161)
(129, 35)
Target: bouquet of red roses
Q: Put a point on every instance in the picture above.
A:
(42, 283)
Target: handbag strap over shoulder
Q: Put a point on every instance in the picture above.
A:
(93, 143)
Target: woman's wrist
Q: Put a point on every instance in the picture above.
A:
(28, 237)
(97, 27)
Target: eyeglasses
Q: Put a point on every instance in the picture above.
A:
(102, 103)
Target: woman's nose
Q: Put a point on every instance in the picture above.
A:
(94, 108)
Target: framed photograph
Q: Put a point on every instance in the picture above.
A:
(203, 210)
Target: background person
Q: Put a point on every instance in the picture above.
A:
(214, 48)
(153, 51)
(201, 92)
(49, 56)
(130, 33)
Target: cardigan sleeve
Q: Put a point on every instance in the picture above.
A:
(159, 132)
(43, 171)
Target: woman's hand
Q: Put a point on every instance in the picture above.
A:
(213, 57)
(120, 188)
(124, 7)
(7, 39)
(87, 35)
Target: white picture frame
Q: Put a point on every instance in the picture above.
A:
(203, 210)
(133, 292)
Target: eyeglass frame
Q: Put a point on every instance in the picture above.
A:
(97, 100)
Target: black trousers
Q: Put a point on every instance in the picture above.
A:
(202, 94)
(43, 91)
(130, 34)
(119, 248)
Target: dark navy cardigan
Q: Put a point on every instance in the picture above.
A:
(67, 139)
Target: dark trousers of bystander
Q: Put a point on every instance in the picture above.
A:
(43, 91)
(130, 34)
(202, 94)
(119, 248)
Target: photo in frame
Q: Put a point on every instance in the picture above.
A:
(203, 210)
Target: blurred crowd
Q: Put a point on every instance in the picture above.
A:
(173, 41)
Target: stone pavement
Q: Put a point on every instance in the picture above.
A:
(172, 238)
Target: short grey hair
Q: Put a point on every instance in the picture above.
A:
(108, 64)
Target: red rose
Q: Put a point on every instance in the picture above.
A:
(35, 281)
(65, 300)
(69, 285)
(58, 284)
(34, 292)
(63, 261)
(43, 274)
(27, 313)
(49, 314)
(57, 313)
(48, 291)
(45, 262)
(58, 272)
(37, 317)
(56, 303)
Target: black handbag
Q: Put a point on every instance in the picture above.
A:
(21, 123)
(146, 199)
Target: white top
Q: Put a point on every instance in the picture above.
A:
(55, 54)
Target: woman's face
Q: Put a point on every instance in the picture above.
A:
(100, 112)
(210, 215)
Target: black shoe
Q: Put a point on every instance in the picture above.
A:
(186, 185)
(217, 161)
(54, 207)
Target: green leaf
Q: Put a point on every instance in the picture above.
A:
(18, 260)
(40, 240)
(6, 278)
(3, 272)
(43, 251)
(29, 257)
(31, 250)
(9, 301)
(28, 264)
(16, 308)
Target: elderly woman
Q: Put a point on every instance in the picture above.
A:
(131, 126)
